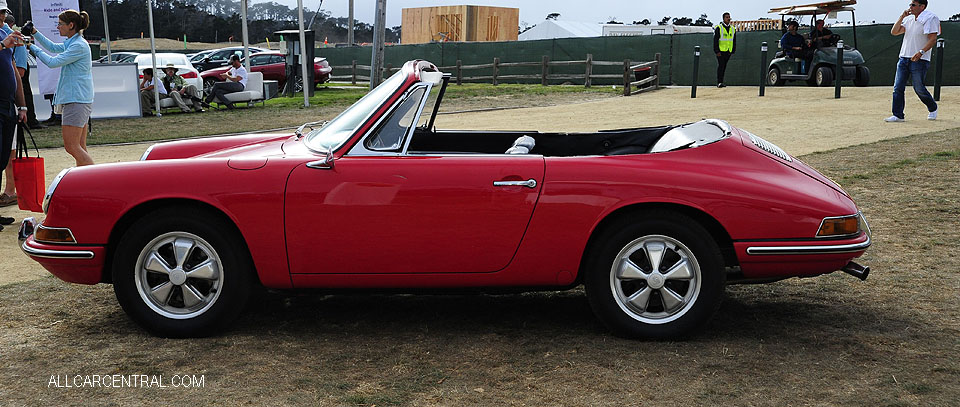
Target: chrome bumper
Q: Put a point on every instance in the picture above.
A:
(27, 227)
(818, 249)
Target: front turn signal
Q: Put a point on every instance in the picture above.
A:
(839, 226)
(54, 235)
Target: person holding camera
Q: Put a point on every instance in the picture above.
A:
(12, 104)
(74, 96)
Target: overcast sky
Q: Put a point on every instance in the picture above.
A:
(596, 11)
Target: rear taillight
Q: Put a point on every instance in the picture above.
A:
(189, 75)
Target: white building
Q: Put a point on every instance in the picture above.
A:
(623, 30)
(550, 29)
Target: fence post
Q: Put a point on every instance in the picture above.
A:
(939, 78)
(656, 82)
(763, 68)
(353, 72)
(544, 71)
(459, 72)
(626, 77)
(496, 69)
(838, 70)
(696, 71)
(587, 82)
(386, 71)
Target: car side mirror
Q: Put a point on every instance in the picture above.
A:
(325, 164)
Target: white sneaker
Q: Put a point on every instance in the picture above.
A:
(932, 115)
(893, 119)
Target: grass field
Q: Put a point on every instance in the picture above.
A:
(893, 340)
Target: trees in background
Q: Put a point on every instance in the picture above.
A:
(213, 21)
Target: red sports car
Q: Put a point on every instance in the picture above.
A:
(273, 66)
(653, 221)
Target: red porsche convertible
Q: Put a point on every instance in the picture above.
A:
(653, 221)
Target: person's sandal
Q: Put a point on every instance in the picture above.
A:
(7, 200)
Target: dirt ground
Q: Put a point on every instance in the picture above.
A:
(826, 341)
(800, 120)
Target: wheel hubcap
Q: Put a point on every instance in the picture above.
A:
(179, 275)
(655, 279)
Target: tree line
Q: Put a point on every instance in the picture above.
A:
(211, 21)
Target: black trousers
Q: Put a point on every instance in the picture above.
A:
(722, 60)
(28, 95)
(7, 125)
(223, 88)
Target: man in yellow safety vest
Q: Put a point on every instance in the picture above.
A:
(724, 45)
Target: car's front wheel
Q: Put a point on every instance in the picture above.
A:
(658, 277)
(774, 78)
(179, 273)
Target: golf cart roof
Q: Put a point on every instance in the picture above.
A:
(823, 7)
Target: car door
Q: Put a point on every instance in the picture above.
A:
(379, 210)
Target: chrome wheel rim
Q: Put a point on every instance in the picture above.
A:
(655, 279)
(179, 275)
(820, 77)
(773, 77)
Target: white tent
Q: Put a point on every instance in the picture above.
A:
(550, 29)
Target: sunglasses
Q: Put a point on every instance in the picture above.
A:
(914, 5)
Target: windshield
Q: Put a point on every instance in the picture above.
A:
(335, 133)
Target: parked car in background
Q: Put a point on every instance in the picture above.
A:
(199, 56)
(119, 57)
(273, 66)
(654, 221)
(221, 57)
(184, 68)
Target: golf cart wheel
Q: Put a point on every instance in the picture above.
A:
(774, 78)
(863, 77)
(824, 76)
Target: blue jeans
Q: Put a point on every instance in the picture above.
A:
(907, 69)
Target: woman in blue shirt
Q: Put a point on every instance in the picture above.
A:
(74, 96)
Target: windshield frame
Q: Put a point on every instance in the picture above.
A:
(364, 126)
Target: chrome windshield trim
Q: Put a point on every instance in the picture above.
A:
(817, 249)
(56, 254)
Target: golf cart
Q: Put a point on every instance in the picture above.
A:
(820, 68)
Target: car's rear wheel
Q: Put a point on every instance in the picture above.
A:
(657, 277)
(824, 76)
(178, 272)
(863, 77)
(774, 78)
(208, 85)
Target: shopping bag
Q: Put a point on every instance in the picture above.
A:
(28, 174)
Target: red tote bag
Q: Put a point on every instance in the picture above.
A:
(28, 174)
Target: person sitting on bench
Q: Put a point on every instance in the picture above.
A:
(236, 80)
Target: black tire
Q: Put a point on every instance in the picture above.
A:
(208, 85)
(200, 290)
(824, 76)
(611, 282)
(774, 78)
(863, 77)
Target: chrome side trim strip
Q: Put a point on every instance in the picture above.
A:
(819, 249)
(56, 254)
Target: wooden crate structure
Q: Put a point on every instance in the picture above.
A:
(459, 23)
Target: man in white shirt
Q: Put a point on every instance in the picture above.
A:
(919, 28)
(236, 80)
(149, 85)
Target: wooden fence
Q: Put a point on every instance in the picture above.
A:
(652, 81)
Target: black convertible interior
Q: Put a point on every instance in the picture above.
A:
(607, 142)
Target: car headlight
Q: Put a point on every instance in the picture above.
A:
(52, 188)
(840, 226)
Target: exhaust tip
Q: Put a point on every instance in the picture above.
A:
(856, 270)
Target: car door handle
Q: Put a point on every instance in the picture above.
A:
(530, 183)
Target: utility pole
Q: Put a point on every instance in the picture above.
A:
(246, 42)
(379, 31)
(350, 25)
